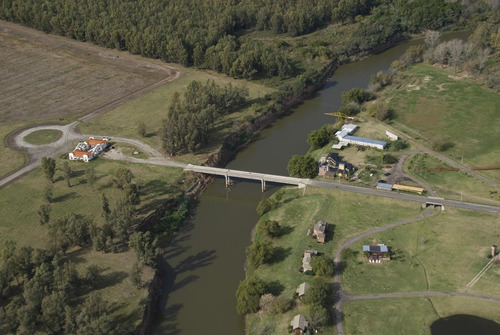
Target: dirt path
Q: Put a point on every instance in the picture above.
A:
(398, 174)
(340, 295)
(445, 159)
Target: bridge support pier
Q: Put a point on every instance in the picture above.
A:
(228, 181)
(263, 185)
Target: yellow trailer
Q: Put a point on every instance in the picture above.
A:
(418, 190)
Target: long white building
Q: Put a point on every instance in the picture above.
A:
(345, 138)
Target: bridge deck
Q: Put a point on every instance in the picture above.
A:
(247, 175)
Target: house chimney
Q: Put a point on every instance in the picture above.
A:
(493, 250)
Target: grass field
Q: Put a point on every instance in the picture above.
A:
(41, 137)
(450, 184)
(11, 159)
(439, 253)
(431, 102)
(20, 200)
(347, 214)
(152, 108)
(384, 316)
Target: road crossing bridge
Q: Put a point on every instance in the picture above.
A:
(262, 177)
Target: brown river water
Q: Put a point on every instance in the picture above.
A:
(205, 262)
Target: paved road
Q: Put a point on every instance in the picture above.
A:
(404, 196)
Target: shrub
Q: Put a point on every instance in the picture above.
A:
(271, 228)
(322, 265)
(302, 167)
(259, 253)
(379, 111)
(389, 159)
(248, 295)
(266, 205)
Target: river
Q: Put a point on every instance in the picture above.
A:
(205, 262)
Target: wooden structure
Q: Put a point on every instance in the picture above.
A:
(306, 260)
(376, 253)
(299, 324)
(302, 289)
(319, 231)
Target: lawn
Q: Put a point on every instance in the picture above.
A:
(431, 102)
(410, 316)
(347, 214)
(41, 137)
(440, 253)
(152, 108)
(449, 184)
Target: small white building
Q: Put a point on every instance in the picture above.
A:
(88, 150)
(392, 136)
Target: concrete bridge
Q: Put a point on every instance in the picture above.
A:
(262, 177)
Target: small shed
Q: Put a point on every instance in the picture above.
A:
(319, 231)
(302, 289)
(306, 260)
(299, 324)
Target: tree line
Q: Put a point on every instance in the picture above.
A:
(191, 118)
(214, 35)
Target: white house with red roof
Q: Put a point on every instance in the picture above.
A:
(89, 149)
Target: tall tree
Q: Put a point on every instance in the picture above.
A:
(44, 213)
(67, 173)
(49, 168)
(91, 176)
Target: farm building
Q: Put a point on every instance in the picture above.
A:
(384, 186)
(299, 324)
(89, 149)
(418, 190)
(306, 260)
(319, 231)
(302, 289)
(392, 137)
(376, 253)
(345, 138)
(332, 165)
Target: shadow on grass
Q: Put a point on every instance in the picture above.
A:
(285, 230)
(64, 197)
(330, 232)
(280, 254)
(275, 288)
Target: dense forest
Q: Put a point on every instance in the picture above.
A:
(215, 34)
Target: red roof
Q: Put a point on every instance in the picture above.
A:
(80, 153)
(94, 141)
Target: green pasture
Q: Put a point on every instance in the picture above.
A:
(347, 214)
(440, 253)
(19, 201)
(410, 316)
(433, 102)
(449, 184)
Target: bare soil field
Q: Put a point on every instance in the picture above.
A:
(45, 77)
